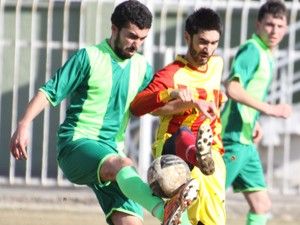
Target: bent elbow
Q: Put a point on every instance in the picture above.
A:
(232, 91)
(134, 111)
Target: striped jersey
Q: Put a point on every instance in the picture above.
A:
(253, 68)
(100, 86)
(181, 75)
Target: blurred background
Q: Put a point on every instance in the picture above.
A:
(38, 36)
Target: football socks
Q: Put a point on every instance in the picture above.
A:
(136, 189)
(256, 219)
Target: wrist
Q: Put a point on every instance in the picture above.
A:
(23, 124)
(267, 109)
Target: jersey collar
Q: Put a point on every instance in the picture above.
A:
(260, 41)
(201, 69)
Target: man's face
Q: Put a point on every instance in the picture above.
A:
(201, 46)
(271, 30)
(126, 41)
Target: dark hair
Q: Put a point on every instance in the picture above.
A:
(203, 19)
(131, 11)
(274, 7)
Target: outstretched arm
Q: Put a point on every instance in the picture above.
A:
(236, 92)
(20, 138)
(173, 107)
(179, 106)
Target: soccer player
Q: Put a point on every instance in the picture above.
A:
(186, 96)
(247, 86)
(101, 81)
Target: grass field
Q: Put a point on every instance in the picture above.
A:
(78, 206)
(55, 217)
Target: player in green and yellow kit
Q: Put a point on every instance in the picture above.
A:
(247, 87)
(101, 81)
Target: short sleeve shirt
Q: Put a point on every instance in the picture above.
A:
(100, 87)
(253, 68)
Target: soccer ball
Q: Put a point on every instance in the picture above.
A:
(166, 174)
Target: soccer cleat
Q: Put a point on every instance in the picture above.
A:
(174, 207)
(204, 141)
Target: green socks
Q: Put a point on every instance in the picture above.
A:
(185, 218)
(136, 189)
(256, 219)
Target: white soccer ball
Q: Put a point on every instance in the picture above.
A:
(166, 174)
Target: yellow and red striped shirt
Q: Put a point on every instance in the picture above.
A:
(205, 81)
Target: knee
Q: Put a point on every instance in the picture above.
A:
(262, 206)
(112, 166)
(124, 218)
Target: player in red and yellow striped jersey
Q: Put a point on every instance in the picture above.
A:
(186, 96)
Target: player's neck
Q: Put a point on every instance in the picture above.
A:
(191, 61)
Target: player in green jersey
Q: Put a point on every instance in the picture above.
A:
(101, 81)
(247, 87)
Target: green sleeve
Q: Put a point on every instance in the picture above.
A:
(148, 77)
(67, 78)
(245, 64)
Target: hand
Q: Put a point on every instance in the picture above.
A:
(19, 142)
(280, 110)
(257, 133)
(185, 95)
(188, 96)
(207, 108)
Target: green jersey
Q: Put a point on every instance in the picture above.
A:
(100, 86)
(253, 68)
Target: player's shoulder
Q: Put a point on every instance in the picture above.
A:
(171, 68)
(102, 48)
(249, 47)
(92, 50)
(79, 55)
(216, 59)
(93, 47)
(139, 57)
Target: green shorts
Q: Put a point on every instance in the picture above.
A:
(80, 161)
(243, 168)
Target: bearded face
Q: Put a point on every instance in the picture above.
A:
(126, 41)
(201, 46)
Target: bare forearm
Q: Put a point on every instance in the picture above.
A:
(20, 138)
(35, 107)
(173, 107)
(237, 93)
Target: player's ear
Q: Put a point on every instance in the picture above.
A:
(187, 37)
(114, 30)
(257, 26)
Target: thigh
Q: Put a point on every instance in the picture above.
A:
(183, 135)
(209, 207)
(235, 158)
(251, 176)
(113, 202)
(80, 160)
